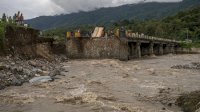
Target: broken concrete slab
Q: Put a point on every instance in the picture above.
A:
(40, 79)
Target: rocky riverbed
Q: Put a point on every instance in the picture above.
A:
(158, 84)
(14, 71)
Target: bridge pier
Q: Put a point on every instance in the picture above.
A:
(138, 50)
(160, 49)
(167, 48)
(151, 48)
(172, 49)
(156, 49)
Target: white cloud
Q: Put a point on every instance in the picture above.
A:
(34, 8)
(30, 8)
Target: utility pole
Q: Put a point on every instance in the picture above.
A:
(187, 35)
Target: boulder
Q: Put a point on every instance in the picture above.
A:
(2, 66)
(16, 82)
(33, 63)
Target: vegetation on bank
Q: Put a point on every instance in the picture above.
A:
(2, 35)
(190, 44)
(184, 25)
(11, 22)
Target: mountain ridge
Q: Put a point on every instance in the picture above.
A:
(103, 16)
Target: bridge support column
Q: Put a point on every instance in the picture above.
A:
(132, 49)
(138, 49)
(167, 49)
(172, 49)
(151, 49)
(161, 49)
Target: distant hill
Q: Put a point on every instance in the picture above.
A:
(103, 16)
(183, 25)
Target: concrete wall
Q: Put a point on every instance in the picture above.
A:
(97, 48)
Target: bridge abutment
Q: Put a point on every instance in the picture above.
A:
(172, 48)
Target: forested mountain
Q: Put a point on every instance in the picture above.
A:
(184, 25)
(104, 16)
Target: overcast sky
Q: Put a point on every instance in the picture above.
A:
(34, 8)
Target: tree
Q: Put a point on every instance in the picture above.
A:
(4, 17)
(10, 19)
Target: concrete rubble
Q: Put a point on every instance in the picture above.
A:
(14, 71)
(193, 65)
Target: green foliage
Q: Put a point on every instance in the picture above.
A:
(184, 25)
(195, 44)
(3, 25)
(4, 17)
(2, 35)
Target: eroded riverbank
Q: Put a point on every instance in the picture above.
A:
(148, 85)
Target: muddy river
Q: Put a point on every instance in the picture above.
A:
(146, 85)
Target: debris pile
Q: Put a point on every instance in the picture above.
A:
(194, 65)
(14, 71)
(189, 102)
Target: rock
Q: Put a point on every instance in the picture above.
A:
(2, 87)
(189, 102)
(44, 68)
(54, 73)
(37, 75)
(8, 66)
(12, 63)
(16, 82)
(19, 69)
(40, 79)
(33, 63)
(2, 67)
(2, 76)
(37, 70)
(27, 72)
(45, 73)
(198, 110)
(194, 65)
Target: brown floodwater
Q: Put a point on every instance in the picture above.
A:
(147, 85)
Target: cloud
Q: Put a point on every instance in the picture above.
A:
(34, 8)
(30, 8)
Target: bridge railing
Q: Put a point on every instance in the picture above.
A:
(146, 37)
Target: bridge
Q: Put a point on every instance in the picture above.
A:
(124, 48)
(141, 45)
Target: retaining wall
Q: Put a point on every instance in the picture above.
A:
(97, 48)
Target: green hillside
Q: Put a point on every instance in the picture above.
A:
(104, 16)
(184, 25)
